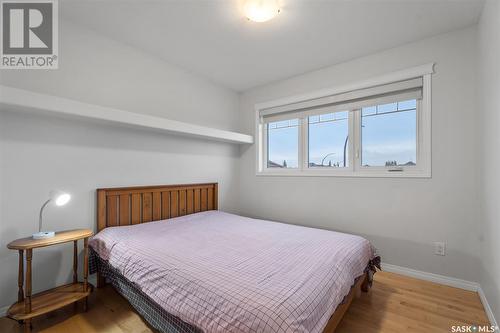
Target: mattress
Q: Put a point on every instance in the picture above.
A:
(226, 273)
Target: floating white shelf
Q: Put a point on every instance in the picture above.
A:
(24, 99)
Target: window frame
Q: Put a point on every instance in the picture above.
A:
(354, 168)
(327, 171)
(265, 152)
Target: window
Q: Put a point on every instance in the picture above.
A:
(328, 139)
(379, 131)
(283, 144)
(389, 134)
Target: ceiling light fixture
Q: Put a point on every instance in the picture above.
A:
(261, 10)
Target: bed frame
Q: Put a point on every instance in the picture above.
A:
(141, 204)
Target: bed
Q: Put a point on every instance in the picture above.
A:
(193, 268)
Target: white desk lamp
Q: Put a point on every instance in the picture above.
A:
(59, 198)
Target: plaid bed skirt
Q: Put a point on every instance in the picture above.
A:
(154, 314)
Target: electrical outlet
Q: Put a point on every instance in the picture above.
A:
(440, 248)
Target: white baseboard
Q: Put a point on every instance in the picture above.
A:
(3, 311)
(441, 279)
(487, 308)
(446, 280)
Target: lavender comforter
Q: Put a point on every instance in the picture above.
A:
(227, 273)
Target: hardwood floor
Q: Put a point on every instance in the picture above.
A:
(395, 304)
(401, 304)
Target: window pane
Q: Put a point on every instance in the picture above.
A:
(328, 140)
(283, 144)
(389, 134)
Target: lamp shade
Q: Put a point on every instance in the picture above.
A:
(59, 198)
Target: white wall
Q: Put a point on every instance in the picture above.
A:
(489, 102)
(402, 217)
(40, 153)
(102, 71)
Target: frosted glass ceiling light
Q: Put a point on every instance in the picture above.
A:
(261, 10)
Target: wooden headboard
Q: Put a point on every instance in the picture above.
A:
(133, 205)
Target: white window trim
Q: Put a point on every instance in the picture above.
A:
(424, 130)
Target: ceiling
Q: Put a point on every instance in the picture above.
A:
(213, 39)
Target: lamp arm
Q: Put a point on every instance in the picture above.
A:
(41, 212)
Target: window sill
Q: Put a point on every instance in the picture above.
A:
(348, 174)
